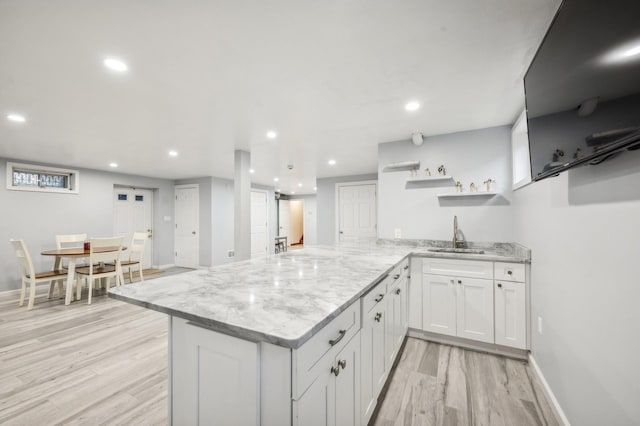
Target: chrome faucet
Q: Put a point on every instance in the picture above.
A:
(456, 242)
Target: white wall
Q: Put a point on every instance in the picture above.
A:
(326, 204)
(37, 217)
(584, 231)
(472, 156)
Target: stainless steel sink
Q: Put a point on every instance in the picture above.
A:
(457, 250)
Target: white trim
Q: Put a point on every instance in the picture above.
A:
(269, 244)
(167, 266)
(175, 193)
(336, 201)
(554, 402)
(73, 176)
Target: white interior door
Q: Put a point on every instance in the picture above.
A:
(357, 212)
(283, 219)
(133, 212)
(187, 235)
(259, 223)
(296, 221)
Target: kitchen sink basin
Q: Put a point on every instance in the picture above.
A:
(457, 250)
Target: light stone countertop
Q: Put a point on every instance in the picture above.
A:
(286, 298)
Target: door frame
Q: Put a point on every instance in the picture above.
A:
(269, 244)
(152, 224)
(337, 203)
(175, 193)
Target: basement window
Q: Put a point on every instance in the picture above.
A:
(29, 177)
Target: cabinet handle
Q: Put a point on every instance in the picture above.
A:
(406, 267)
(396, 276)
(509, 272)
(342, 363)
(379, 298)
(398, 291)
(378, 316)
(499, 285)
(337, 339)
(459, 281)
(335, 370)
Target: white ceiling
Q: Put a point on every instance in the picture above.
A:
(207, 77)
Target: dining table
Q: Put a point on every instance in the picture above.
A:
(73, 254)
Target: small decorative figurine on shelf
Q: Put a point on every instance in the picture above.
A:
(427, 172)
(488, 182)
(414, 172)
(558, 155)
(578, 154)
(458, 186)
(472, 187)
(442, 171)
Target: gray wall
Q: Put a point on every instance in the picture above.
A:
(471, 156)
(205, 220)
(37, 217)
(583, 228)
(222, 208)
(326, 204)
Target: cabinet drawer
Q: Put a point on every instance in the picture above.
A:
(510, 271)
(458, 268)
(375, 295)
(326, 343)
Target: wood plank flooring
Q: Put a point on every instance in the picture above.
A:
(106, 363)
(438, 384)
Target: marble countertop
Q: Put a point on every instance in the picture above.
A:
(286, 298)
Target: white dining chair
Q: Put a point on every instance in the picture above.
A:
(136, 252)
(102, 264)
(29, 275)
(69, 241)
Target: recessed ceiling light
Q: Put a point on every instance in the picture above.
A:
(115, 64)
(275, 179)
(271, 134)
(332, 162)
(299, 185)
(16, 117)
(251, 171)
(412, 106)
(113, 165)
(631, 52)
(173, 153)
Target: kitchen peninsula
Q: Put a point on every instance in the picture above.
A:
(310, 336)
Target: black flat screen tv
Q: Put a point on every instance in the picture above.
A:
(582, 88)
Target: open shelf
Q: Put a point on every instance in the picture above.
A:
(468, 194)
(404, 165)
(440, 179)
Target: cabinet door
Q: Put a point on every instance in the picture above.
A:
(372, 356)
(414, 287)
(438, 304)
(390, 328)
(347, 384)
(404, 310)
(511, 314)
(399, 312)
(316, 406)
(475, 309)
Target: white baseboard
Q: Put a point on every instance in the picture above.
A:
(167, 266)
(554, 402)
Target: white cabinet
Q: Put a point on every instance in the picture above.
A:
(511, 314)
(439, 304)
(474, 309)
(334, 396)
(373, 372)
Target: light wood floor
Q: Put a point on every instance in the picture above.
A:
(106, 363)
(437, 384)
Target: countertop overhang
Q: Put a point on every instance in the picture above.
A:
(285, 299)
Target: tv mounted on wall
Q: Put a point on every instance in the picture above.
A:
(583, 86)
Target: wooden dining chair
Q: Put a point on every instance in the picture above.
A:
(136, 252)
(31, 276)
(102, 264)
(71, 240)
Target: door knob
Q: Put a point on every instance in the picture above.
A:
(193, 232)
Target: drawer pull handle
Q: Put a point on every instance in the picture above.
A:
(499, 285)
(398, 291)
(509, 272)
(379, 298)
(396, 276)
(459, 281)
(378, 316)
(406, 267)
(337, 339)
(335, 370)
(342, 363)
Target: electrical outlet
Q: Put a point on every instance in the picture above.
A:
(539, 325)
(397, 233)
(231, 253)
